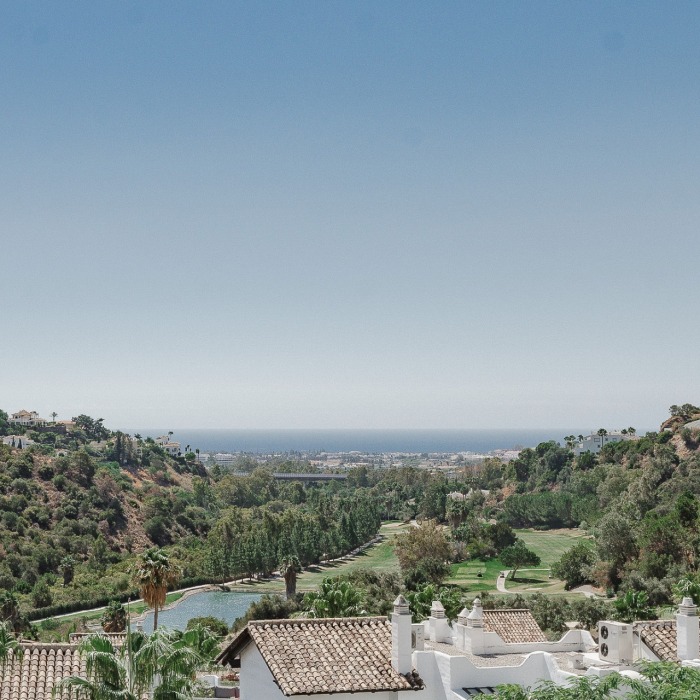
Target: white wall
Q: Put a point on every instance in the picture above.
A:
(255, 677)
(445, 675)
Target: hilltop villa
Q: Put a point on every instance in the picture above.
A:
(30, 419)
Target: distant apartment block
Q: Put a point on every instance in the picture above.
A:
(224, 459)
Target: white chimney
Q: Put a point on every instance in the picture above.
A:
(439, 626)
(476, 616)
(401, 636)
(688, 630)
(473, 628)
(460, 629)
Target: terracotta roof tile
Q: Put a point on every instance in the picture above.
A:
(40, 668)
(333, 655)
(513, 626)
(660, 637)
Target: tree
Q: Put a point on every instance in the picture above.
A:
(10, 612)
(583, 688)
(67, 569)
(8, 644)
(41, 595)
(665, 681)
(162, 666)
(634, 605)
(421, 601)
(570, 441)
(114, 617)
(420, 545)
(216, 626)
(53, 416)
(154, 573)
(518, 555)
(290, 567)
(335, 598)
(573, 565)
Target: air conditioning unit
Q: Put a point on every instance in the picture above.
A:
(615, 642)
(417, 636)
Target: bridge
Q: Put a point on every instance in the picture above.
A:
(285, 476)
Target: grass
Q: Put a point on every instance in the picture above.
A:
(466, 574)
(548, 545)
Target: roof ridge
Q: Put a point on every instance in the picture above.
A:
(318, 620)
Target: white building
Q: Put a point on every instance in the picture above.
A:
(224, 459)
(19, 441)
(365, 658)
(28, 418)
(172, 448)
(594, 443)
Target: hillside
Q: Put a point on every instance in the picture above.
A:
(79, 504)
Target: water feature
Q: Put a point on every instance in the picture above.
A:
(225, 606)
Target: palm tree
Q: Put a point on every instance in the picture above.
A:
(8, 644)
(290, 567)
(154, 574)
(114, 617)
(335, 598)
(130, 672)
(53, 415)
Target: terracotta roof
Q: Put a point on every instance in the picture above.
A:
(332, 655)
(513, 626)
(41, 667)
(660, 637)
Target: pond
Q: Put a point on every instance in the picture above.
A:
(225, 606)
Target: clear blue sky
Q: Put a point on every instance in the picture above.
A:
(350, 214)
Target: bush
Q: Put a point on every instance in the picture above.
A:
(213, 624)
(41, 595)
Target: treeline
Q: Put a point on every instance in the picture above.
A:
(249, 543)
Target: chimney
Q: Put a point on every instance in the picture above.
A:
(401, 645)
(439, 626)
(460, 629)
(476, 616)
(688, 630)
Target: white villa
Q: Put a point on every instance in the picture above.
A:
(594, 443)
(172, 448)
(30, 419)
(373, 659)
(19, 441)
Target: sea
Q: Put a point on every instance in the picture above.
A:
(367, 441)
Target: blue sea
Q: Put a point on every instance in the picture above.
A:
(373, 441)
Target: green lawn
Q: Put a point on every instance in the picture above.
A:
(550, 545)
(466, 574)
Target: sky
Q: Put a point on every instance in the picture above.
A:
(350, 214)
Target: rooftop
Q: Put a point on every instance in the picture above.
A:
(41, 667)
(513, 626)
(660, 637)
(332, 655)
